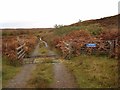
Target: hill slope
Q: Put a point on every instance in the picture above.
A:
(106, 22)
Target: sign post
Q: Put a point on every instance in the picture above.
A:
(91, 45)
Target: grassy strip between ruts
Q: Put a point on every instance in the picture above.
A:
(8, 71)
(42, 76)
(43, 50)
(94, 72)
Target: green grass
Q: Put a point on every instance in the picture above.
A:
(94, 72)
(8, 71)
(94, 29)
(43, 50)
(42, 76)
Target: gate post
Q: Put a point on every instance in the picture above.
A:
(116, 49)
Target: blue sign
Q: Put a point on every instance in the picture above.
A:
(91, 45)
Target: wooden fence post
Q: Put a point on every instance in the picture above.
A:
(116, 49)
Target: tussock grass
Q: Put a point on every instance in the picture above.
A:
(94, 72)
(42, 76)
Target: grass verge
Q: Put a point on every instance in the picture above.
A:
(94, 72)
(42, 75)
(0, 72)
(8, 71)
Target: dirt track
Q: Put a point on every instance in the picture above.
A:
(62, 77)
(20, 80)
